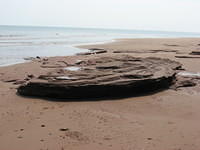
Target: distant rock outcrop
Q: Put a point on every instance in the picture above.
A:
(103, 77)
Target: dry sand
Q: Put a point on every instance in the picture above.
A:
(168, 120)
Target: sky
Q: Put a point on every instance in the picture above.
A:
(165, 15)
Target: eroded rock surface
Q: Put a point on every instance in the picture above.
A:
(104, 77)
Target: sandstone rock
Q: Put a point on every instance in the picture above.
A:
(104, 77)
(184, 82)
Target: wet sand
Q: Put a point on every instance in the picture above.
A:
(168, 120)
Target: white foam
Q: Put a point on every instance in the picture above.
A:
(72, 68)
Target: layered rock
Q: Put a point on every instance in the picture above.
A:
(104, 77)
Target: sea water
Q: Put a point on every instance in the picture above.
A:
(20, 42)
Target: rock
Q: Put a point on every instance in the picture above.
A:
(19, 82)
(186, 57)
(195, 53)
(100, 51)
(144, 51)
(30, 76)
(42, 125)
(183, 82)
(96, 49)
(186, 83)
(64, 129)
(11, 80)
(104, 77)
(93, 52)
(38, 57)
(86, 53)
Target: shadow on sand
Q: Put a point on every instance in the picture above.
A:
(116, 94)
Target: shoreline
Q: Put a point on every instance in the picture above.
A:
(88, 45)
(165, 120)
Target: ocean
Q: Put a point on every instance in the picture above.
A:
(20, 42)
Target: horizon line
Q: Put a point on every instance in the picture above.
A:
(93, 28)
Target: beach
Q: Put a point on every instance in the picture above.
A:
(165, 120)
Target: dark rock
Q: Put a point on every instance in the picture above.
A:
(64, 129)
(100, 51)
(30, 76)
(186, 57)
(19, 82)
(86, 53)
(11, 80)
(96, 49)
(104, 77)
(195, 53)
(38, 57)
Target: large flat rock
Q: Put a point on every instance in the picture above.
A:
(103, 77)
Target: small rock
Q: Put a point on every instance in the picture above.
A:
(30, 75)
(64, 129)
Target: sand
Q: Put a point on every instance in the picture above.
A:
(168, 120)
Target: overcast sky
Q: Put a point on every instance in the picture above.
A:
(171, 15)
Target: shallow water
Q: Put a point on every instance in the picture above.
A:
(19, 42)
